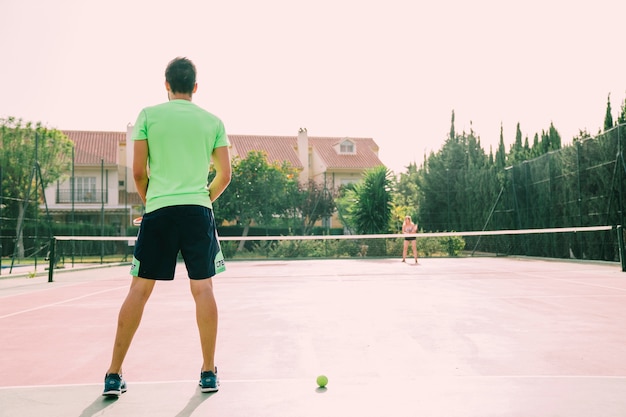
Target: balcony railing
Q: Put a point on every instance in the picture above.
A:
(82, 197)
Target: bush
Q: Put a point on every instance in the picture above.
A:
(454, 245)
(342, 248)
(315, 249)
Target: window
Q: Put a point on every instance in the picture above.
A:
(85, 189)
(346, 147)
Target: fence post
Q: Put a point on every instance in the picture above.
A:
(620, 242)
(53, 244)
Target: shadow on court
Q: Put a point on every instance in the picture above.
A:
(97, 407)
(449, 337)
(194, 402)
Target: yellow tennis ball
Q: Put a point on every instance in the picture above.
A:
(322, 381)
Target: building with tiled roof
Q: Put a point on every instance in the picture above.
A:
(103, 181)
(277, 148)
(102, 185)
(334, 161)
(94, 148)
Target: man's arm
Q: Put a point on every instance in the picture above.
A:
(221, 163)
(140, 167)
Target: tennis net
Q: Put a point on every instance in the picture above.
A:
(603, 243)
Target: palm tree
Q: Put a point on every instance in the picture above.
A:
(371, 212)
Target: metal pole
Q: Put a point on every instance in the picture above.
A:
(73, 197)
(102, 209)
(448, 198)
(580, 192)
(52, 258)
(620, 242)
(488, 218)
(36, 240)
(619, 179)
(1, 204)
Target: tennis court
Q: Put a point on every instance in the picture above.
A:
(449, 337)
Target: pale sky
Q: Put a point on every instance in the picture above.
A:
(391, 70)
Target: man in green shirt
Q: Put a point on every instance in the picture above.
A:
(174, 144)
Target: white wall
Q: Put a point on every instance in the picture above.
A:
(130, 186)
(110, 184)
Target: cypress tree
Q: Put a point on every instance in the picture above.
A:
(608, 118)
(501, 152)
(518, 138)
(621, 119)
(452, 134)
(554, 138)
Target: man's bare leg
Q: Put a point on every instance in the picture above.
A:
(129, 319)
(206, 317)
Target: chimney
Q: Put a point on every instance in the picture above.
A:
(303, 154)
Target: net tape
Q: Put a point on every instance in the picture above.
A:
(369, 236)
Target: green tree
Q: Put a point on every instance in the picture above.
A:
(501, 152)
(535, 150)
(621, 119)
(550, 140)
(517, 152)
(455, 184)
(554, 138)
(518, 138)
(345, 202)
(28, 150)
(452, 133)
(315, 202)
(608, 116)
(405, 196)
(372, 209)
(258, 192)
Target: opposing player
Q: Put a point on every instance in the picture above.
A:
(408, 227)
(174, 144)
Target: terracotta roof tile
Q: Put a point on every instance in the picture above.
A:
(92, 147)
(278, 148)
(366, 155)
(284, 148)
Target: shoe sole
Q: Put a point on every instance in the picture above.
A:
(113, 393)
(209, 389)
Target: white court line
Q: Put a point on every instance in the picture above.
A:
(61, 302)
(539, 297)
(279, 380)
(27, 290)
(575, 281)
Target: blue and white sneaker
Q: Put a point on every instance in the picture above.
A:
(209, 382)
(114, 385)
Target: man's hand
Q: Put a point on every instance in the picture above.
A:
(221, 163)
(140, 167)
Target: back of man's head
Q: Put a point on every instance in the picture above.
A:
(181, 75)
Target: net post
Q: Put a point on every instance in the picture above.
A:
(53, 244)
(620, 242)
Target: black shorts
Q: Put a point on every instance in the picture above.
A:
(409, 238)
(165, 232)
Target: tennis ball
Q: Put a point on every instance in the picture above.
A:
(322, 381)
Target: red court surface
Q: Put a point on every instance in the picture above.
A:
(450, 337)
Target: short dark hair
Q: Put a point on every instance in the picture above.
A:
(181, 75)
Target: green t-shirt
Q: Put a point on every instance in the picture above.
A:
(181, 138)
